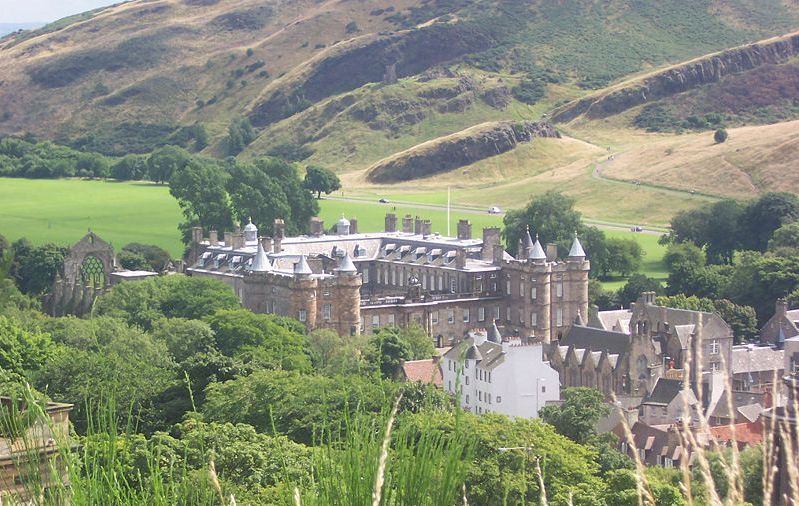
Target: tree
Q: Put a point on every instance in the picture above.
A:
(623, 255)
(389, 349)
(334, 354)
(319, 179)
(785, 240)
(34, 267)
(22, 351)
(720, 135)
(551, 216)
(682, 261)
(132, 261)
(635, 286)
(742, 320)
(294, 404)
(691, 303)
(758, 280)
(603, 299)
(722, 231)
(200, 191)
(156, 258)
(144, 302)
(165, 162)
(578, 414)
(130, 168)
(259, 340)
(763, 216)
(240, 134)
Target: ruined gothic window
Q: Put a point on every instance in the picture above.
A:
(92, 271)
(643, 367)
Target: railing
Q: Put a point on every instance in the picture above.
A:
(429, 297)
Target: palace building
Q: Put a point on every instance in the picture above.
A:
(355, 282)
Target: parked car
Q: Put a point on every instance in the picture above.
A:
(637, 228)
(383, 201)
(494, 210)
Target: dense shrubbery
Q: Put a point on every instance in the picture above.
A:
(659, 118)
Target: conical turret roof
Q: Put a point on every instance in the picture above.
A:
(527, 240)
(493, 333)
(261, 261)
(302, 268)
(576, 250)
(346, 265)
(537, 252)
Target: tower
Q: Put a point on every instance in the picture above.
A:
(303, 294)
(346, 298)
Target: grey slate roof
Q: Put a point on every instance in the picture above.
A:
(261, 261)
(664, 392)
(576, 250)
(596, 339)
(757, 359)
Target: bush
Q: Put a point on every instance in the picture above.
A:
(529, 91)
(720, 136)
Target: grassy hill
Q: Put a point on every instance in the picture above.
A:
(316, 77)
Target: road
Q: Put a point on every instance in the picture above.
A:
(623, 227)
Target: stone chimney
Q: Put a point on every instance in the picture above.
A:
(266, 243)
(781, 307)
(407, 224)
(460, 259)
(212, 238)
(391, 222)
(427, 227)
(238, 239)
(196, 235)
(552, 252)
(490, 238)
(417, 226)
(499, 252)
(464, 230)
(280, 234)
(229, 239)
(317, 227)
(353, 225)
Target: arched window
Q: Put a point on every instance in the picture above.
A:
(92, 271)
(642, 367)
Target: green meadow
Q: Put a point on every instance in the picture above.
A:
(62, 210)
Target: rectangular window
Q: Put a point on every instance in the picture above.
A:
(465, 316)
(481, 314)
(714, 347)
(394, 277)
(365, 275)
(467, 380)
(451, 316)
(376, 320)
(559, 289)
(521, 316)
(467, 398)
(478, 286)
(507, 287)
(521, 289)
(402, 277)
(507, 313)
(440, 282)
(715, 366)
(434, 317)
(559, 317)
(326, 311)
(489, 377)
(424, 281)
(479, 395)
(496, 312)
(303, 316)
(489, 398)
(449, 365)
(499, 399)
(391, 319)
(533, 319)
(543, 389)
(533, 292)
(453, 285)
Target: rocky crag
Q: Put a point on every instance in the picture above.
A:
(458, 150)
(679, 79)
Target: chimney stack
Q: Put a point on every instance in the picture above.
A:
(417, 226)
(490, 238)
(317, 227)
(280, 233)
(552, 252)
(353, 225)
(229, 239)
(464, 230)
(427, 227)
(238, 239)
(407, 224)
(212, 238)
(391, 222)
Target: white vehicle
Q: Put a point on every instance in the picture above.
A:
(494, 210)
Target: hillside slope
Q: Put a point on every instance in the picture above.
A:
(124, 78)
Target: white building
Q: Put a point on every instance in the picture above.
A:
(503, 377)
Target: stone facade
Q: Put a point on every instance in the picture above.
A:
(403, 275)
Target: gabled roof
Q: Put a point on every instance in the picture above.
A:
(757, 359)
(425, 371)
(596, 339)
(664, 392)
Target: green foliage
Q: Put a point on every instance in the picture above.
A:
(765, 215)
(551, 216)
(319, 179)
(352, 27)
(529, 91)
(166, 162)
(132, 261)
(388, 346)
(34, 267)
(260, 341)
(290, 152)
(294, 404)
(692, 303)
(578, 414)
(660, 118)
(130, 168)
(785, 240)
(156, 259)
(716, 227)
(333, 354)
(502, 470)
(240, 134)
(623, 256)
(39, 160)
(23, 351)
(720, 136)
(144, 302)
(635, 286)
(200, 191)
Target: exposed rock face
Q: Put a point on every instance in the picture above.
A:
(681, 78)
(412, 51)
(498, 98)
(458, 150)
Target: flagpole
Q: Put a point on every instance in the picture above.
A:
(448, 219)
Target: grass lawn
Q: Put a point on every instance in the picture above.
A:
(61, 211)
